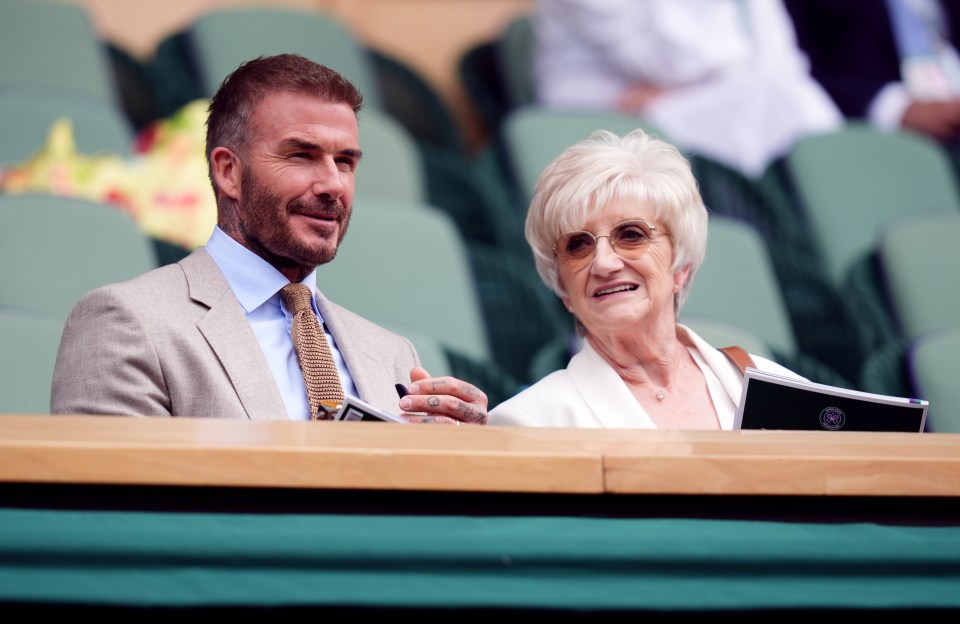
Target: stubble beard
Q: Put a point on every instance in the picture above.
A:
(265, 227)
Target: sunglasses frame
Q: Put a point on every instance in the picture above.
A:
(563, 258)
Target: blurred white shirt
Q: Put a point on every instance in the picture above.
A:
(738, 89)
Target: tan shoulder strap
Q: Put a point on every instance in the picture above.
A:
(739, 357)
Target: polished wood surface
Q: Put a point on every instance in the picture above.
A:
(211, 452)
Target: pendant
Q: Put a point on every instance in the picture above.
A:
(661, 395)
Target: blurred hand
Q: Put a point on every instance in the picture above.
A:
(938, 120)
(443, 400)
(634, 99)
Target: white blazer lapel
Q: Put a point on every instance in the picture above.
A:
(605, 392)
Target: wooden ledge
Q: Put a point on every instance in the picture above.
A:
(213, 452)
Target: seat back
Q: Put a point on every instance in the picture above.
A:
(391, 167)
(720, 333)
(54, 45)
(55, 249)
(410, 98)
(520, 312)
(930, 362)
(515, 53)
(403, 264)
(30, 342)
(916, 256)
(736, 284)
(429, 348)
(28, 113)
(220, 40)
(851, 181)
(533, 136)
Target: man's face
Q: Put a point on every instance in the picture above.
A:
(297, 182)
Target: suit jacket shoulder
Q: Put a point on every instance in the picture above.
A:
(171, 342)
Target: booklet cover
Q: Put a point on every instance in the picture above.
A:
(771, 401)
(353, 409)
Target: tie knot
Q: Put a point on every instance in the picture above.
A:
(296, 298)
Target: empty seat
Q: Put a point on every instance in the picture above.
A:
(533, 136)
(736, 284)
(391, 167)
(720, 333)
(55, 249)
(27, 115)
(30, 342)
(54, 45)
(429, 348)
(852, 181)
(220, 40)
(406, 264)
(930, 361)
(918, 259)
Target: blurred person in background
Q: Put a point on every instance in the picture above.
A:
(893, 63)
(720, 78)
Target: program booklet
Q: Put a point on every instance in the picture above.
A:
(353, 409)
(771, 401)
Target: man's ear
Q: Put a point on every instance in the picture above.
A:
(226, 171)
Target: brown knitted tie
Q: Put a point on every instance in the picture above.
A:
(313, 352)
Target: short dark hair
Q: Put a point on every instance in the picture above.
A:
(230, 112)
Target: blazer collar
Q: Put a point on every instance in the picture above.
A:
(227, 331)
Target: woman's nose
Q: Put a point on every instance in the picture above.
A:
(605, 256)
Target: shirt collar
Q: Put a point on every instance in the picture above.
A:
(254, 281)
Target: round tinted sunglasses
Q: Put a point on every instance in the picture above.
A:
(629, 239)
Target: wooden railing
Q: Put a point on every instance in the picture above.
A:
(210, 452)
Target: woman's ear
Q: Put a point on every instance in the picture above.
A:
(680, 278)
(226, 171)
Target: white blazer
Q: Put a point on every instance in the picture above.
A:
(590, 393)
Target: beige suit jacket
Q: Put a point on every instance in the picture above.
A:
(176, 342)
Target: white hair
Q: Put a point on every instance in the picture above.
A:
(603, 167)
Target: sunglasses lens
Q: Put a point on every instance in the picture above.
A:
(577, 245)
(631, 238)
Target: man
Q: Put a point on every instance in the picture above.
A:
(210, 335)
(856, 54)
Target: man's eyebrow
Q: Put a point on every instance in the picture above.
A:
(299, 144)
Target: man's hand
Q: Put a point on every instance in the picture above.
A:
(635, 98)
(939, 120)
(443, 400)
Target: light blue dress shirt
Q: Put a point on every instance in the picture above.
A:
(256, 285)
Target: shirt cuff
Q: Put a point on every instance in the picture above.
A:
(888, 106)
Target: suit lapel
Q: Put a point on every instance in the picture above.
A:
(605, 392)
(227, 331)
(364, 358)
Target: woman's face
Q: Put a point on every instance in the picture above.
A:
(609, 292)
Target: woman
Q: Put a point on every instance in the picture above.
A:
(618, 231)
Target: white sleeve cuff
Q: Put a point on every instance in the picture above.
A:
(888, 106)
